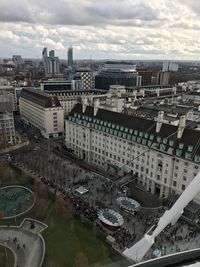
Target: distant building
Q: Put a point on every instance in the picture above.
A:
(61, 85)
(17, 59)
(7, 128)
(146, 76)
(50, 63)
(86, 78)
(121, 73)
(70, 56)
(43, 112)
(169, 66)
(163, 78)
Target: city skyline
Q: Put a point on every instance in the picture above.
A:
(138, 29)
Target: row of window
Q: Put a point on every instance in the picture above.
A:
(130, 134)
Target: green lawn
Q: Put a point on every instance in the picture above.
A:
(69, 241)
(6, 262)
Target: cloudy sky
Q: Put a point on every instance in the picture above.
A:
(104, 29)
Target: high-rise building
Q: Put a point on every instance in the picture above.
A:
(70, 56)
(17, 59)
(169, 66)
(163, 78)
(50, 63)
(7, 128)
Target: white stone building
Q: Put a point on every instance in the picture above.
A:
(165, 158)
(42, 111)
(68, 99)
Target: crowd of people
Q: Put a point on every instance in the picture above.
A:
(83, 208)
(123, 238)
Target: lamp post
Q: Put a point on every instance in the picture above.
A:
(6, 250)
(15, 215)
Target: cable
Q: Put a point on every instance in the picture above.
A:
(156, 143)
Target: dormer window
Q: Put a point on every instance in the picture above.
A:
(171, 142)
(190, 148)
(165, 140)
(158, 138)
(187, 155)
(141, 134)
(181, 145)
(162, 147)
(178, 152)
(197, 158)
(151, 136)
(130, 131)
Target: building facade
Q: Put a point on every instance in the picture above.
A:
(86, 78)
(56, 85)
(43, 112)
(120, 73)
(68, 99)
(164, 158)
(7, 128)
(163, 78)
(146, 76)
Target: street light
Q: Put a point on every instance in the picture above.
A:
(6, 250)
(15, 215)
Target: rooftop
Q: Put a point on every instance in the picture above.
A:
(40, 98)
(135, 128)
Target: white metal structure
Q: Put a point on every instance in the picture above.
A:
(138, 251)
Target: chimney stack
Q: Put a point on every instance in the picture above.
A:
(96, 106)
(84, 104)
(159, 121)
(181, 127)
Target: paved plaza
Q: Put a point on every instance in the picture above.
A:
(25, 242)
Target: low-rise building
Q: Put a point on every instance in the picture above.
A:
(164, 158)
(42, 111)
(69, 98)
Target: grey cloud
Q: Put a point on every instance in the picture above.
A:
(122, 10)
(67, 12)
